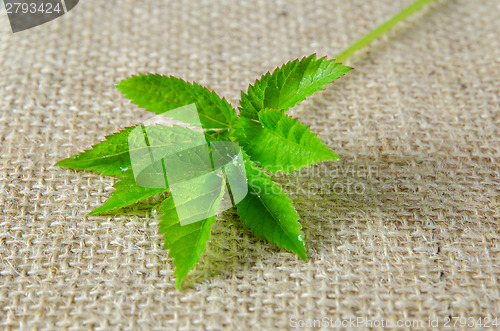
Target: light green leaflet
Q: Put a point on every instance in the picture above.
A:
(279, 142)
(126, 193)
(268, 211)
(110, 157)
(287, 86)
(160, 94)
(186, 243)
(269, 138)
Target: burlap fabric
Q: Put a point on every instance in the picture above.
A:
(405, 227)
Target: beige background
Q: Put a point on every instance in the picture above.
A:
(420, 236)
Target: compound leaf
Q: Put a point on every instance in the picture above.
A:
(268, 211)
(198, 166)
(278, 142)
(160, 94)
(290, 84)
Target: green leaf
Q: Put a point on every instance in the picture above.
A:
(186, 243)
(290, 84)
(160, 94)
(268, 211)
(110, 157)
(126, 193)
(280, 143)
(113, 156)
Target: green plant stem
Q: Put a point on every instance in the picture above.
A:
(381, 29)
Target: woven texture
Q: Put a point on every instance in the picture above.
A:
(405, 226)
